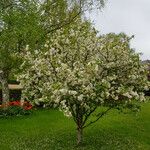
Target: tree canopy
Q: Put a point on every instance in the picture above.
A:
(79, 72)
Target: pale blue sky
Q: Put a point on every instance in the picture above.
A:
(129, 16)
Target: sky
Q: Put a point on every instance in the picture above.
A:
(129, 16)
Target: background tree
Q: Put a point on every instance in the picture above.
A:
(26, 23)
(81, 72)
(19, 26)
(67, 11)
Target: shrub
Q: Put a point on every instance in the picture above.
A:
(15, 109)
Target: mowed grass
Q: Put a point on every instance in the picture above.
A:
(50, 130)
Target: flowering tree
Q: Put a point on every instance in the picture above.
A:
(80, 72)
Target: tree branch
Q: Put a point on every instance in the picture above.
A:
(99, 116)
(60, 25)
(87, 116)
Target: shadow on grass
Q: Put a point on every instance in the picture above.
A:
(66, 140)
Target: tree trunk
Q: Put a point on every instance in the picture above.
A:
(5, 88)
(79, 135)
(79, 123)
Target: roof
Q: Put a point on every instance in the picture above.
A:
(15, 86)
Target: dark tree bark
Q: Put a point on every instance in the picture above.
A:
(5, 88)
(79, 135)
(79, 125)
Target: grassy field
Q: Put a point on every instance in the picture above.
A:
(50, 130)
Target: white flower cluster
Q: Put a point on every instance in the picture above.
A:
(77, 67)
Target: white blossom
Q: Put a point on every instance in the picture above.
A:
(78, 68)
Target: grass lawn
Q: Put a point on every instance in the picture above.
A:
(50, 130)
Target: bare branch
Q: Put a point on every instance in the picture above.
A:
(99, 116)
(87, 116)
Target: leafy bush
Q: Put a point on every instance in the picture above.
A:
(15, 109)
(26, 104)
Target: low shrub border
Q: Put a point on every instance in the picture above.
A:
(14, 108)
(26, 105)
